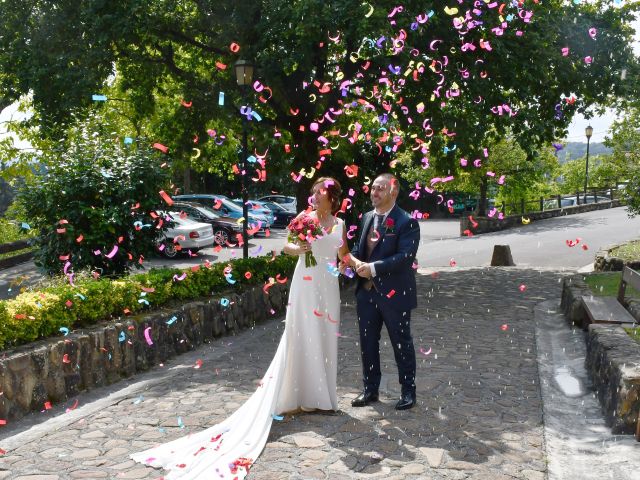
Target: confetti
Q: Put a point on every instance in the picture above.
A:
(522, 287)
(425, 352)
(147, 335)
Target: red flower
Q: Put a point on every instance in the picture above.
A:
(389, 223)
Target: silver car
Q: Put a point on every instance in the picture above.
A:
(184, 235)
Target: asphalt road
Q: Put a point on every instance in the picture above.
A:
(539, 244)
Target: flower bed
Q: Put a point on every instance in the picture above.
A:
(39, 314)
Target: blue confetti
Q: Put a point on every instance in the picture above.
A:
(138, 400)
(25, 226)
(221, 98)
(224, 302)
(64, 330)
(128, 140)
(172, 320)
(99, 98)
(180, 424)
(122, 337)
(279, 418)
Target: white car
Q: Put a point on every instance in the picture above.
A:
(186, 234)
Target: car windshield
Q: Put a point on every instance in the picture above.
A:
(230, 205)
(274, 206)
(208, 212)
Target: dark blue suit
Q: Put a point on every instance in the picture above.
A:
(392, 298)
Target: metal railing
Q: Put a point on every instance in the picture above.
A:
(594, 195)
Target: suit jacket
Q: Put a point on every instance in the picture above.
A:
(393, 257)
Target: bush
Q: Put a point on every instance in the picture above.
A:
(38, 314)
(96, 195)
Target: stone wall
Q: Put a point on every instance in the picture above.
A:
(613, 363)
(487, 224)
(573, 288)
(57, 369)
(604, 262)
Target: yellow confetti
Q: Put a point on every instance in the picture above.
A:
(450, 11)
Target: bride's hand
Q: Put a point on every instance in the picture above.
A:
(303, 248)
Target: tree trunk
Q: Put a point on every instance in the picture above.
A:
(481, 210)
(307, 158)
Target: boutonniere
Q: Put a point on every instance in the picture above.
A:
(389, 224)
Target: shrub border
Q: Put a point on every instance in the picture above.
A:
(56, 370)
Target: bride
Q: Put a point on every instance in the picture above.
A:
(302, 374)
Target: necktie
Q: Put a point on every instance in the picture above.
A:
(378, 222)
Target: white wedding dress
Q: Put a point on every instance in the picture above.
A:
(302, 374)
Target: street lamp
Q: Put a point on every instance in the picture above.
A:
(244, 77)
(588, 132)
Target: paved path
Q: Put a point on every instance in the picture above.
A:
(479, 413)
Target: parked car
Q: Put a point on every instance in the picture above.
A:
(256, 207)
(225, 229)
(289, 203)
(189, 235)
(225, 207)
(281, 216)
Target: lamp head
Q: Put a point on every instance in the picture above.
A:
(588, 131)
(244, 72)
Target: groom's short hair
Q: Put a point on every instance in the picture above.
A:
(393, 181)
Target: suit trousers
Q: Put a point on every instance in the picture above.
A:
(372, 313)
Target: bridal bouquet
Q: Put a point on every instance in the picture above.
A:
(305, 228)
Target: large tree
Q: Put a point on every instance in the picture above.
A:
(339, 82)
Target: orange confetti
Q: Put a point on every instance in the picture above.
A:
(161, 147)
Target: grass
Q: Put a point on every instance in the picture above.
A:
(11, 232)
(633, 333)
(628, 252)
(606, 285)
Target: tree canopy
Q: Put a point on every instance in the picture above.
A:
(337, 83)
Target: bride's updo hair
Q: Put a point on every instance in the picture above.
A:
(333, 189)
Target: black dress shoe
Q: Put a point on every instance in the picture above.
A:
(407, 401)
(365, 398)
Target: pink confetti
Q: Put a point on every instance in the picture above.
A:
(112, 253)
(147, 335)
(452, 262)
(522, 287)
(425, 352)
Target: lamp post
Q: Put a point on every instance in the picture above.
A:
(588, 132)
(244, 77)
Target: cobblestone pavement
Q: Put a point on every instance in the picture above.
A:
(479, 412)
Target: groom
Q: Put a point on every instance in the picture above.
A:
(383, 258)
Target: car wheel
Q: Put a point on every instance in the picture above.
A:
(221, 236)
(170, 250)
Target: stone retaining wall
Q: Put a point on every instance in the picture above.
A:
(573, 288)
(486, 224)
(56, 370)
(613, 359)
(613, 363)
(604, 262)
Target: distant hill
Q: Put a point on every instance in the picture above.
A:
(574, 150)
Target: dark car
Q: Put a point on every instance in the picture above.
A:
(281, 215)
(225, 207)
(225, 229)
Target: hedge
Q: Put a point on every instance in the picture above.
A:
(42, 313)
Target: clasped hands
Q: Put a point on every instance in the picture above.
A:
(363, 269)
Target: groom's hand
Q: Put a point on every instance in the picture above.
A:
(364, 270)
